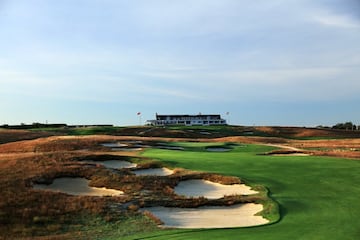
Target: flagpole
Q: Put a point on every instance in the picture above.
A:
(228, 117)
(139, 114)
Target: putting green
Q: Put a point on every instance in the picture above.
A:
(318, 196)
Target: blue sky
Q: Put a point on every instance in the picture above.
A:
(278, 62)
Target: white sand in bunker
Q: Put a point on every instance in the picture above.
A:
(239, 215)
(116, 164)
(117, 146)
(154, 172)
(114, 145)
(217, 149)
(77, 186)
(211, 190)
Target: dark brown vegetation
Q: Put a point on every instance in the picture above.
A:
(28, 157)
(346, 148)
(26, 212)
(299, 132)
(18, 135)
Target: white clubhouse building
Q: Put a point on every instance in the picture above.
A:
(187, 120)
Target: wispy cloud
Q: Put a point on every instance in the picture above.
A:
(337, 20)
(20, 79)
(306, 84)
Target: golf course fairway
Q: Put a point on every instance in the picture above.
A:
(318, 196)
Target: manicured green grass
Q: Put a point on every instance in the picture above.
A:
(318, 196)
(199, 147)
(92, 130)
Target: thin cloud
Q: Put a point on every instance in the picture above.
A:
(308, 84)
(336, 20)
(20, 79)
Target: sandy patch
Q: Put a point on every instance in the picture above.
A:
(205, 133)
(154, 172)
(240, 215)
(284, 147)
(133, 142)
(117, 146)
(210, 190)
(116, 164)
(218, 149)
(127, 149)
(77, 186)
(114, 145)
(171, 148)
(291, 154)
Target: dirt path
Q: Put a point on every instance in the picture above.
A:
(285, 147)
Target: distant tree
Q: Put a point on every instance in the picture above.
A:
(321, 126)
(346, 126)
(349, 125)
(36, 124)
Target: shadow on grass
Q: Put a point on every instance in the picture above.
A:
(185, 232)
(287, 204)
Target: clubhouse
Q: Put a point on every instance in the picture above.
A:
(187, 120)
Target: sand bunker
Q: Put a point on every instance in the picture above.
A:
(210, 190)
(154, 172)
(291, 154)
(116, 164)
(114, 145)
(240, 215)
(126, 149)
(217, 149)
(135, 141)
(117, 146)
(77, 186)
(170, 147)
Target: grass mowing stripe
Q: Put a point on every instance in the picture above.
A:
(317, 195)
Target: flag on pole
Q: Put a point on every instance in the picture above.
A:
(139, 114)
(227, 113)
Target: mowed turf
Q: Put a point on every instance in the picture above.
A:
(318, 196)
